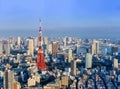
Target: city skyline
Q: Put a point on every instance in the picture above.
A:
(61, 63)
(59, 44)
(64, 14)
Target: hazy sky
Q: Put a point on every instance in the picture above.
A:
(25, 14)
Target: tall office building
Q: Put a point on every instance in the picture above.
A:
(49, 48)
(114, 49)
(70, 57)
(88, 50)
(105, 51)
(35, 41)
(54, 48)
(30, 47)
(69, 40)
(18, 41)
(73, 67)
(7, 48)
(13, 40)
(64, 41)
(88, 60)
(8, 79)
(77, 49)
(115, 64)
(18, 56)
(45, 44)
(45, 40)
(95, 47)
(1, 48)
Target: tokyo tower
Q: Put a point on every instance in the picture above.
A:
(40, 56)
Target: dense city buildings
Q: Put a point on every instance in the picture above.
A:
(59, 63)
(76, 47)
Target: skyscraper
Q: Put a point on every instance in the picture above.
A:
(7, 48)
(73, 67)
(8, 79)
(45, 41)
(77, 49)
(30, 47)
(13, 40)
(35, 41)
(88, 60)
(114, 49)
(49, 48)
(95, 47)
(18, 41)
(45, 44)
(115, 64)
(64, 41)
(70, 57)
(69, 40)
(54, 48)
(1, 48)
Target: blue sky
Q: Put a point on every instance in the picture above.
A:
(25, 14)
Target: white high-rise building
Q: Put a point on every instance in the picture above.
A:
(45, 44)
(18, 56)
(88, 60)
(115, 64)
(8, 79)
(45, 40)
(70, 57)
(64, 41)
(18, 41)
(95, 47)
(13, 41)
(1, 48)
(35, 41)
(30, 47)
(49, 48)
(69, 40)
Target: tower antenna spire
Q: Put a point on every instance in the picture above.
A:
(40, 57)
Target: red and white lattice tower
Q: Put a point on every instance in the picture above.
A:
(40, 57)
